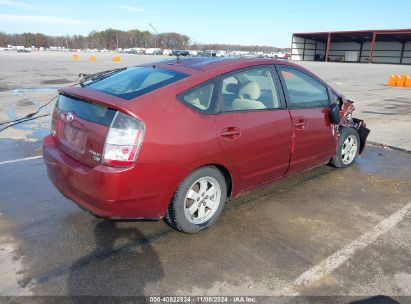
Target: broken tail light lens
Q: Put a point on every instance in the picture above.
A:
(123, 141)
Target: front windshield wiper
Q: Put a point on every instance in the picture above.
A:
(97, 76)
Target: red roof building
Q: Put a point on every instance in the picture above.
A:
(368, 46)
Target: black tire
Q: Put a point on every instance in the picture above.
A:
(339, 161)
(176, 212)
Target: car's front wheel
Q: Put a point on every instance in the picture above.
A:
(348, 148)
(198, 201)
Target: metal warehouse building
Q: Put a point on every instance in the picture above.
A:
(372, 46)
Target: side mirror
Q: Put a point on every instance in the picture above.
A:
(335, 114)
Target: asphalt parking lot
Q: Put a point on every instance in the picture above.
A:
(324, 232)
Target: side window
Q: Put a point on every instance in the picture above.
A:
(252, 89)
(229, 85)
(303, 90)
(334, 97)
(199, 97)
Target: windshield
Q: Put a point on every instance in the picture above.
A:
(135, 81)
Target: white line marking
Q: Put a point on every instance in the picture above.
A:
(341, 256)
(19, 160)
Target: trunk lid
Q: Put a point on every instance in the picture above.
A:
(80, 123)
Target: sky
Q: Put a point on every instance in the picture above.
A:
(246, 22)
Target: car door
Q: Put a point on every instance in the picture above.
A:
(253, 126)
(314, 140)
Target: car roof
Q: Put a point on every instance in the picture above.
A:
(199, 63)
(210, 63)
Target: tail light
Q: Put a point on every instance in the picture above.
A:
(53, 129)
(123, 141)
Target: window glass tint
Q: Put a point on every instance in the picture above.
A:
(303, 90)
(200, 97)
(154, 78)
(249, 90)
(136, 81)
(334, 98)
(229, 85)
(86, 110)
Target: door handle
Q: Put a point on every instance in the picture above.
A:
(231, 132)
(301, 124)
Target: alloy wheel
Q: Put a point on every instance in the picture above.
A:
(349, 150)
(202, 200)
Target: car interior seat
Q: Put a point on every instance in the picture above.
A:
(248, 95)
(201, 98)
(196, 102)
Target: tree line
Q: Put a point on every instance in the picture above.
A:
(236, 47)
(112, 39)
(109, 39)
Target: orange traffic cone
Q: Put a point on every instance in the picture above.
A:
(400, 81)
(407, 83)
(392, 81)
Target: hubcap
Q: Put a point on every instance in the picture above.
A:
(349, 150)
(202, 200)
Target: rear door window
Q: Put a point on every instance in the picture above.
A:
(250, 89)
(135, 81)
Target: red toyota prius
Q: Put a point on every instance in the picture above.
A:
(179, 138)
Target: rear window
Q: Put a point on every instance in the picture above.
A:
(86, 110)
(136, 81)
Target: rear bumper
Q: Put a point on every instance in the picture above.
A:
(116, 193)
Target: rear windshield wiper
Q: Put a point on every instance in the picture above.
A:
(97, 76)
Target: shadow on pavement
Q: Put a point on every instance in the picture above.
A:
(377, 300)
(112, 274)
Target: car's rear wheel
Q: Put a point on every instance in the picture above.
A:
(198, 201)
(348, 148)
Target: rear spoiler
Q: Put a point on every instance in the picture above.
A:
(97, 97)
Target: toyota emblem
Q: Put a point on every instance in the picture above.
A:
(69, 117)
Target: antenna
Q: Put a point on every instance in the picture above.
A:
(163, 42)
